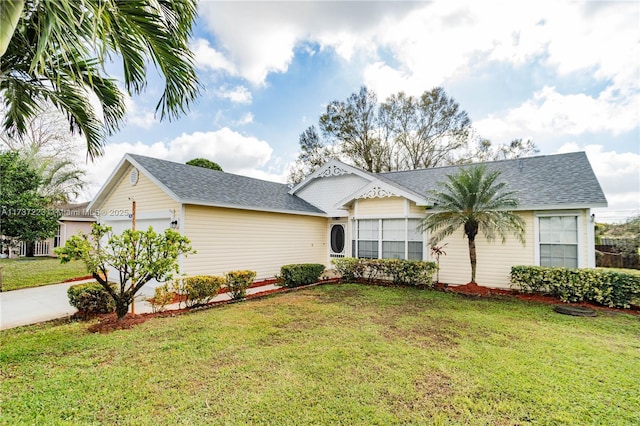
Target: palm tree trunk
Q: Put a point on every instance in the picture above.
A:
(472, 257)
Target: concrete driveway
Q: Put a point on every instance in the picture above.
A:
(33, 305)
(45, 303)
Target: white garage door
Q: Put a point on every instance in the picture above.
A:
(118, 225)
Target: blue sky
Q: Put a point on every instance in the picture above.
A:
(565, 74)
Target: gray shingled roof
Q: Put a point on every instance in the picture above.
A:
(197, 185)
(541, 182)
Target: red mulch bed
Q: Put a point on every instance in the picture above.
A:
(473, 289)
(109, 322)
(86, 277)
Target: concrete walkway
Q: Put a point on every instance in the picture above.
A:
(38, 304)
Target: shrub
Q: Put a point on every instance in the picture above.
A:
(351, 269)
(238, 282)
(162, 296)
(91, 299)
(300, 274)
(409, 272)
(399, 271)
(199, 289)
(613, 289)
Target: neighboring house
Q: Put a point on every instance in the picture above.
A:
(236, 222)
(75, 218)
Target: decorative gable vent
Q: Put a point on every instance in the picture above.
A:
(333, 171)
(377, 192)
(133, 177)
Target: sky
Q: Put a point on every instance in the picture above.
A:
(565, 74)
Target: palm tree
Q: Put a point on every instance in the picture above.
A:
(57, 52)
(473, 200)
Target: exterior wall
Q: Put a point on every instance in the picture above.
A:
(494, 258)
(67, 229)
(149, 198)
(381, 207)
(233, 239)
(325, 192)
(416, 210)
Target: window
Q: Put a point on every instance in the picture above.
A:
(393, 238)
(368, 237)
(558, 237)
(56, 238)
(387, 238)
(414, 240)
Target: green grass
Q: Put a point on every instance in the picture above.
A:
(334, 354)
(36, 271)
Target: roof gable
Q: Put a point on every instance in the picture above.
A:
(196, 185)
(380, 189)
(542, 182)
(332, 167)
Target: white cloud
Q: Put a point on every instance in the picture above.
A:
(209, 58)
(244, 120)
(238, 94)
(619, 177)
(137, 115)
(550, 112)
(234, 152)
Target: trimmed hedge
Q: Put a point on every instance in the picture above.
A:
(399, 271)
(608, 288)
(199, 289)
(238, 282)
(300, 274)
(91, 298)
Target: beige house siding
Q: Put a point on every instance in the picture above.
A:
(148, 196)
(67, 229)
(380, 207)
(416, 210)
(494, 259)
(233, 239)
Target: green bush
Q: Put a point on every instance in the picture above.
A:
(90, 299)
(351, 269)
(409, 272)
(238, 282)
(608, 288)
(162, 296)
(199, 289)
(300, 274)
(399, 271)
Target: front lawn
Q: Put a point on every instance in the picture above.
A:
(333, 354)
(36, 271)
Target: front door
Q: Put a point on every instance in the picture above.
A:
(337, 240)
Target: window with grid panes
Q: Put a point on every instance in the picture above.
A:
(558, 238)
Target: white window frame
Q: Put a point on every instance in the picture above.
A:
(580, 238)
(355, 227)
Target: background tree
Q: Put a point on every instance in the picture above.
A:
(353, 126)
(475, 201)
(204, 163)
(56, 55)
(426, 130)
(402, 133)
(25, 214)
(138, 256)
(313, 154)
(50, 150)
(486, 151)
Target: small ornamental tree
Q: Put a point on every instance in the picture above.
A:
(138, 256)
(475, 201)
